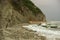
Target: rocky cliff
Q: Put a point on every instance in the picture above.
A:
(19, 11)
(13, 12)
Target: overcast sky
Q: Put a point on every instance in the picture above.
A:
(51, 8)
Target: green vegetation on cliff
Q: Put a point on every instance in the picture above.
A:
(31, 6)
(20, 3)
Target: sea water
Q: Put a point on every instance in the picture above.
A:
(49, 33)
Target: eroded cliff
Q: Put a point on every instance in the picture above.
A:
(13, 12)
(19, 11)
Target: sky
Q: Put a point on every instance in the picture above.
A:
(51, 8)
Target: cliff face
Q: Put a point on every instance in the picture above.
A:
(19, 11)
(13, 12)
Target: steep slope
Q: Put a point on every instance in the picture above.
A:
(19, 11)
(13, 12)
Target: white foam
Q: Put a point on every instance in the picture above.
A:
(44, 31)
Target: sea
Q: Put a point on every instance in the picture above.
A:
(49, 33)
